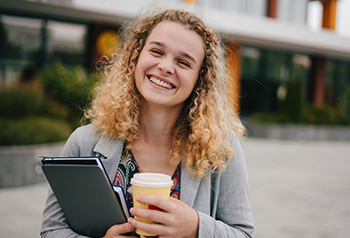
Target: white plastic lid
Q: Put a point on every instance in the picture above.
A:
(152, 180)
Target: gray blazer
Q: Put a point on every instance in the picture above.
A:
(221, 199)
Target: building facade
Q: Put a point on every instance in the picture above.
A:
(275, 59)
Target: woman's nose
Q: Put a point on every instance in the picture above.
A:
(166, 66)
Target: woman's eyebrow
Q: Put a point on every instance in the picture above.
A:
(188, 56)
(157, 43)
(184, 54)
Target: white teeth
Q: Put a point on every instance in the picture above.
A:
(160, 83)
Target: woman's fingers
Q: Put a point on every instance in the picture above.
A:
(156, 202)
(153, 228)
(158, 211)
(118, 230)
(174, 219)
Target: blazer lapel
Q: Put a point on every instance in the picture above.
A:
(189, 186)
(111, 151)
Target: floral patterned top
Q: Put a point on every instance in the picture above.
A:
(128, 167)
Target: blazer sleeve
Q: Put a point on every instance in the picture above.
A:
(232, 216)
(54, 222)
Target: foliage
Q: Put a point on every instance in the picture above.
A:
(33, 130)
(320, 115)
(67, 91)
(47, 107)
(309, 114)
(293, 106)
(344, 105)
(294, 109)
(19, 102)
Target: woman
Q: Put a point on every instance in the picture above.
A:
(163, 108)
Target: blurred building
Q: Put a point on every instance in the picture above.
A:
(271, 50)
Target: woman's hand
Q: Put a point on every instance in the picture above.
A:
(176, 219)
(117, 231)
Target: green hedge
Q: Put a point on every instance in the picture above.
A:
(19, 102)
(33, 130)
(67, 91)
(47, 108)
(307, 114)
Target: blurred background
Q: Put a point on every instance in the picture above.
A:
(290, 83)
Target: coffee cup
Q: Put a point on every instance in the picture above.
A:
(151, 184)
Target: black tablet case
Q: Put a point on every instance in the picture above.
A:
(85, 194)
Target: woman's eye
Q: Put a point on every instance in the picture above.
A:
(184, 63)
(158, 52)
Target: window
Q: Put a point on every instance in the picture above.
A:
(66, 42)
(314, 15)
(19, 47)
(251, 7)
(250, 61)
(268, 76)
(293, 11)
(337, 88)
(26, 44)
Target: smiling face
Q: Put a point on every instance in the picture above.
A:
(168, 65)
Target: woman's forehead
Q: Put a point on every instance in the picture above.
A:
(174, 35)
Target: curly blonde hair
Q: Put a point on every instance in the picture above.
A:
(207, 119)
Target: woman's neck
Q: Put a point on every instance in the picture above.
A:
(157, 124)
(154, 142)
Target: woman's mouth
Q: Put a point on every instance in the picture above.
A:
(160, 83)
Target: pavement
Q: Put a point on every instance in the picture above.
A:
(299, 189)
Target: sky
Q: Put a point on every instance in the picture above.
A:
(343, 17)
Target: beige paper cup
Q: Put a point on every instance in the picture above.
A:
(152, 184)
